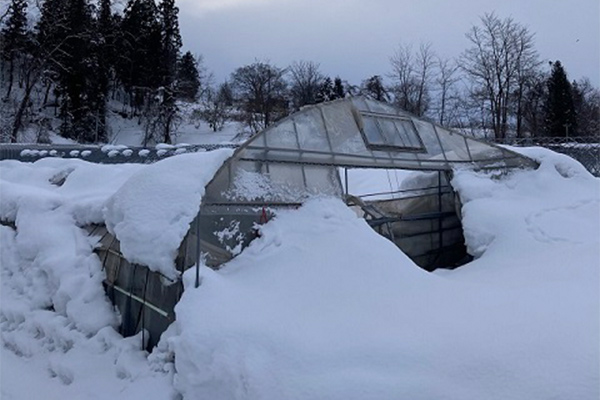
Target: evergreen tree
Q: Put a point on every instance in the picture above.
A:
(170, 40)
(76, 75)
(171, 43)
(188, 78)
(339, 92)
(50, 33)
(51, 29)
(105, 59)
(373, 88)
(326, 91)
(15, 38)
(139, 50)
(559, 111)
(586, 100)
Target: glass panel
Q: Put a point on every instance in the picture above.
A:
(482, 151)
(274, 183)
(408, 133)
(352, 161)
(220, 189)
(378, 107)
(282, 136)
(390, 133)
(342, 128)
(285, 174)
(322, 180)
(405, 139)
(454, 145)
(360, 103)
(354, 145)
(429, 139)
(372, 132)
(435, 164)
(405, 155)
(258, 140)
(311, 131)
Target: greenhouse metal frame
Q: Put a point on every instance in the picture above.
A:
(306, 154)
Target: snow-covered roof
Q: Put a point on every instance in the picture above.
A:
(151, 213)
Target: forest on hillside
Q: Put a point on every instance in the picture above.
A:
(72, 67)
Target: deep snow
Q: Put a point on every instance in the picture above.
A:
(319, 306)
(151, 213)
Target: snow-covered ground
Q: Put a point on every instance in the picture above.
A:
(318, 307)
(128, 132)
(189, 129)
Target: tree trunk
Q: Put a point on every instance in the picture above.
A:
(10, 78)
(47, 93)
(22, 107)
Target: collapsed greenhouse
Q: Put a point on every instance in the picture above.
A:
(314, 152)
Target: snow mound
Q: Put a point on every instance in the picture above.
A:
(57, 325)
(320, 306)
(269, 314)
(47, 202)
(80, 187)
(556, 203)
(150, 214)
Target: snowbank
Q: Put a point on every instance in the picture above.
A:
(57, 325)
(319, 306)
(151, 213)
(322, 307)
(48, 201)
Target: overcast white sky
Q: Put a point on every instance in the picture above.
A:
(354, 39)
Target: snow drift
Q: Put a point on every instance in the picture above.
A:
(151, 213)
(322, 307)
(55, 319)
(319, 306)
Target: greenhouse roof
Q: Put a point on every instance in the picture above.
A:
(362, 133)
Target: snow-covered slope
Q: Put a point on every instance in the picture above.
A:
(319, 306)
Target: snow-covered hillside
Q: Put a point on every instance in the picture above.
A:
(319, 306)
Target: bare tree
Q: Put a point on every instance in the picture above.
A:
(306, 80)
(446, 78)
(527, 64)
(411, 77)
(215, 109)
(498, 63)
(534, 94)
(586, 99)
(402, 76)
(205, 77)
(260, 91)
